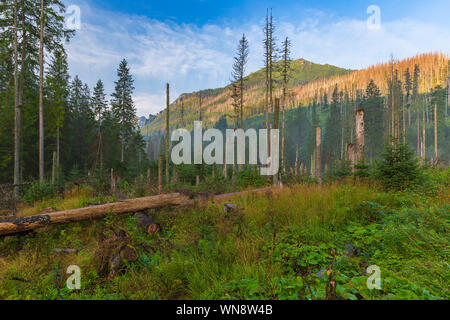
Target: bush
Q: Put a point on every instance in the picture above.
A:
(399, 169)
(39, 191)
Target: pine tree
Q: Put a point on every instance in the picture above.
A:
(374, 119)
(99, 106)
(332, 137)
(57, 83)
(123, 106)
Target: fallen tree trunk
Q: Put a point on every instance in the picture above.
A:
(18, 225)
(134, 205)
(150, 226)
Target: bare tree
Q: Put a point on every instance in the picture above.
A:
(167, 133)
(286, 75)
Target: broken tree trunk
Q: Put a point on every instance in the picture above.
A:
(30, 223)
(19, 225)
(435, 135)
(318, 160)
(150, 226)
(351, 156)
(160, 174)
(359, 148)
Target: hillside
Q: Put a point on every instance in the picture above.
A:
(216, 101)
(309, 81)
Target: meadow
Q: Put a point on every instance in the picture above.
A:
(302, 241)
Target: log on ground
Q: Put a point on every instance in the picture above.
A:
(128, 206)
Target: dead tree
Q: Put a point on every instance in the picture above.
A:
(359, 148)
(351, 155)
(160, 174)
(167, 134)
(318, 155)
(150, 226)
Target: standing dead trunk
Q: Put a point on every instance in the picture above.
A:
(54, 168)
(276, 125)
(435, 135)
(160, 174)
(359, 148)
(419, 152)
(41, 96)
(167, 134)
(148, 176)
(113, 181)
(283, 135)
(318, 155)
(404, 122)
(225, 173)
(424, 148)
(351, 156)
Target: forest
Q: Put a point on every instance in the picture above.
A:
(363, 179)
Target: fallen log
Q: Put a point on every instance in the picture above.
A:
(150, 226)
(134, 205)
(19, 225)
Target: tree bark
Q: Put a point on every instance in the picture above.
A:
(435, 135)
(160, 174)
(30, 223)
(17, 115)
(19, 225)
(276, 125)
(167, 134)
(351, 155)
(150, 226)
(318, 155)
(41, 96)
(424, 148)
(359, 152)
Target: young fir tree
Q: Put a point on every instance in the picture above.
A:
(123, 106)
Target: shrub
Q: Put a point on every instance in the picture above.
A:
(39, 191)
(398, 169)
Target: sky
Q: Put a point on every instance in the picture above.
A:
(191, 43)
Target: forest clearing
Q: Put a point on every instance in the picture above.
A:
(156, 155)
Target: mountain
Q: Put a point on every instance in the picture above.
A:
(310, 81)
(143, 121)
(216, 102)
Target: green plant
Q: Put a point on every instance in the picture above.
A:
(398, 169)
(39, 191)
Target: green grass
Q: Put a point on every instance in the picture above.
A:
(271, 248)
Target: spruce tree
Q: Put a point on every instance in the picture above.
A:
(122, 105)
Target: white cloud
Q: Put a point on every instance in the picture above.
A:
(192, 58)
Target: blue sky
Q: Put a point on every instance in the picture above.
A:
(190, 44)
